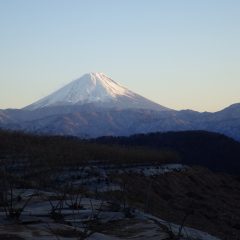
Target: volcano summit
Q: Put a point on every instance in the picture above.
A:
(97, 89)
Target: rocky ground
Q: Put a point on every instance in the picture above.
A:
(89, 219)
(128, 202)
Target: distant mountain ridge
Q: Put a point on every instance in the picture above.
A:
(95, 105)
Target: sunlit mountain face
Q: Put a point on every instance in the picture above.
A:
(98, 89)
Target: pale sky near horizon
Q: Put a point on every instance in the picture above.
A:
(181, 54)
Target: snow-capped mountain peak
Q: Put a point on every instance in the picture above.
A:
(102, 85)
(96, 88)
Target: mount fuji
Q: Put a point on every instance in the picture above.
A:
(94, 105)
(97, 89)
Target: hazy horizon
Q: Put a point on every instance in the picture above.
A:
(182, 55)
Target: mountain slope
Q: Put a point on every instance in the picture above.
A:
(135, 177)
(98, 89)
(89, 121)
(94, 105)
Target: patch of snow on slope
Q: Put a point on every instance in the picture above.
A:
(187, 232)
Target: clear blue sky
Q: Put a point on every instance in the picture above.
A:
(179, 53)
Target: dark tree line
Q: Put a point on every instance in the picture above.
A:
(215, 151)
